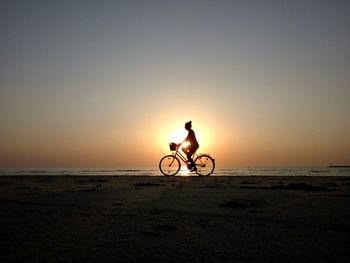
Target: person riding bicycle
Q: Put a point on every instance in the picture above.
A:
(190, 149)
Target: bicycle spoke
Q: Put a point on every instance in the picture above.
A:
(205, 165)
(169, 165)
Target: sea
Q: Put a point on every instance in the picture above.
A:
(154, 171)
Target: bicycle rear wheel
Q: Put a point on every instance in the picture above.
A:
(205, 165)
(169, 165)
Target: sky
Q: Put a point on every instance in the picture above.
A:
(111, 83)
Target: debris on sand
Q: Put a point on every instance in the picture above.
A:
(292, 186)
(305, 187)
(146, 184)
(94, 181)
(88, 190)
(239, 204)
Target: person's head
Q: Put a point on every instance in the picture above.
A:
(188, 125)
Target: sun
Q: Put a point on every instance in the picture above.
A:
(176, 133)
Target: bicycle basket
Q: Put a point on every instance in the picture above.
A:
(172, 146)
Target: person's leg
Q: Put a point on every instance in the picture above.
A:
(185, 150)
(190, 152)
(193, 150)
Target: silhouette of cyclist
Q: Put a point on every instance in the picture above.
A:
(190, 149)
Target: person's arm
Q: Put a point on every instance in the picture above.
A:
(181, 142)
(186, 139)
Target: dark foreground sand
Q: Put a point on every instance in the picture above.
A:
(178, 219)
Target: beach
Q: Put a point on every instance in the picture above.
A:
(175, 219)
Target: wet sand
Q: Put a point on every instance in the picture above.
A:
(174, 219)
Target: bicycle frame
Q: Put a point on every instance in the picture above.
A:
(182, 157)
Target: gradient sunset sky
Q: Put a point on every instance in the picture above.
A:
(110, 83)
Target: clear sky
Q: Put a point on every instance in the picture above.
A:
(110, 83)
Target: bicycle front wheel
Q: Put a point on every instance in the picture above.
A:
(205, 165)
(169, 165)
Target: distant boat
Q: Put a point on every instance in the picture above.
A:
(338, 166)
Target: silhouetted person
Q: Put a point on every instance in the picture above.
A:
(193, 145)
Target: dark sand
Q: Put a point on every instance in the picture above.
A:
(177, 219)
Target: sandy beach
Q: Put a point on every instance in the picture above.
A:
(174, 219)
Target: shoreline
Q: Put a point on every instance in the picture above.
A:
(154, 171)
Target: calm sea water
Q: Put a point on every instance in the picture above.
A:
(154, 171)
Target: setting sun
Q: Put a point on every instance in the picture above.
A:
(177, 135)
(175, 132)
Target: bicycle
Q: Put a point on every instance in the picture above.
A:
(170, 164)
